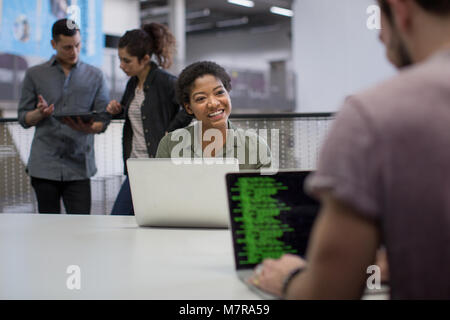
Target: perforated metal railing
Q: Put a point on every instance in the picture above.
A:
(295, 139)
(300, 136)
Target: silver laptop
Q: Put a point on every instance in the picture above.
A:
(269, 215)
(180, 192)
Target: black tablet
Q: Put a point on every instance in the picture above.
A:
(84, 116)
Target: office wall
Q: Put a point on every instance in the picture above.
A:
(252, 53)
(120, 16)
(334, 52)
(243, 49)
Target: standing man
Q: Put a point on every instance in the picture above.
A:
(62, 154)
(384, 174)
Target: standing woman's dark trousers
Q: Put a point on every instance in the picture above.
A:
(124, 204)
(76, 195)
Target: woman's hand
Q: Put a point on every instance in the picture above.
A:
(114, 107)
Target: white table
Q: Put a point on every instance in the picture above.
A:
(116, 260)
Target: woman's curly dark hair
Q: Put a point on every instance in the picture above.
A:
(197, 70)
(152, 39)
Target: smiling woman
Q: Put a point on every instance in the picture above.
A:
(210, 103)
(203, 89)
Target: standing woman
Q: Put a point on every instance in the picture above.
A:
(148, 105)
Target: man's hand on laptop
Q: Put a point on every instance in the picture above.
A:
(272, 274)
(85, 127)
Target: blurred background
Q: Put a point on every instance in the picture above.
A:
(292, 63)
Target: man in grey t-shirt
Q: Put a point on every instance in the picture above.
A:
(62, 154)
(384, 174)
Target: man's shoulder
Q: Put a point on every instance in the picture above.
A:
(37, 69)
(405, 92)
(86, 67)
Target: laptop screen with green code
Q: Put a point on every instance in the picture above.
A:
(269, 215)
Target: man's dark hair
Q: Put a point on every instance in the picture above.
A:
(65, 27)
(437, 7)
(197, 70)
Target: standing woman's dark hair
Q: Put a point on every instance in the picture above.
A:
(148, 105)
(154, 39)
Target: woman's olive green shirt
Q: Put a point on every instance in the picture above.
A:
(247, 146)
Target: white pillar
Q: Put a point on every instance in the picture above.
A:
(115, 22)
(334, 52)
(177, 24)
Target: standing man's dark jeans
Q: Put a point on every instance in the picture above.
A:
(123, 204)
(76, 195)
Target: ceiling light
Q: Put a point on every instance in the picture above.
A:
(198, 14)
(282, 11)
(232, 22)
(199, 26)
(245, 3)
(156, 11)
(264, 29)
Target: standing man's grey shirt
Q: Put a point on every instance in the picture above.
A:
(59, 152)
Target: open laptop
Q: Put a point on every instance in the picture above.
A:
(269, 215)
(180, 192)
